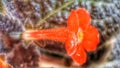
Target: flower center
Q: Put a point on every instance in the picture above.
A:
(80, 35)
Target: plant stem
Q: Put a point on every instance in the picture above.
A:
(52, 13)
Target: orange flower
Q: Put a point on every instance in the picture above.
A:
(3, 64)
(79, 35)
(85, 36)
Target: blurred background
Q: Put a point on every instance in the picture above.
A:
(17, 16)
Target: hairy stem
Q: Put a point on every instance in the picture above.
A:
(53, 12)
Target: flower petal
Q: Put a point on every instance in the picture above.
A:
(73, 23)
(91, 38)
(84, 18)
(70, 44)
(80, 56)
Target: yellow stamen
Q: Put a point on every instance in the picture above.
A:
(80, 35)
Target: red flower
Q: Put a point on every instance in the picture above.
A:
(85, 36)
(79, 36)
